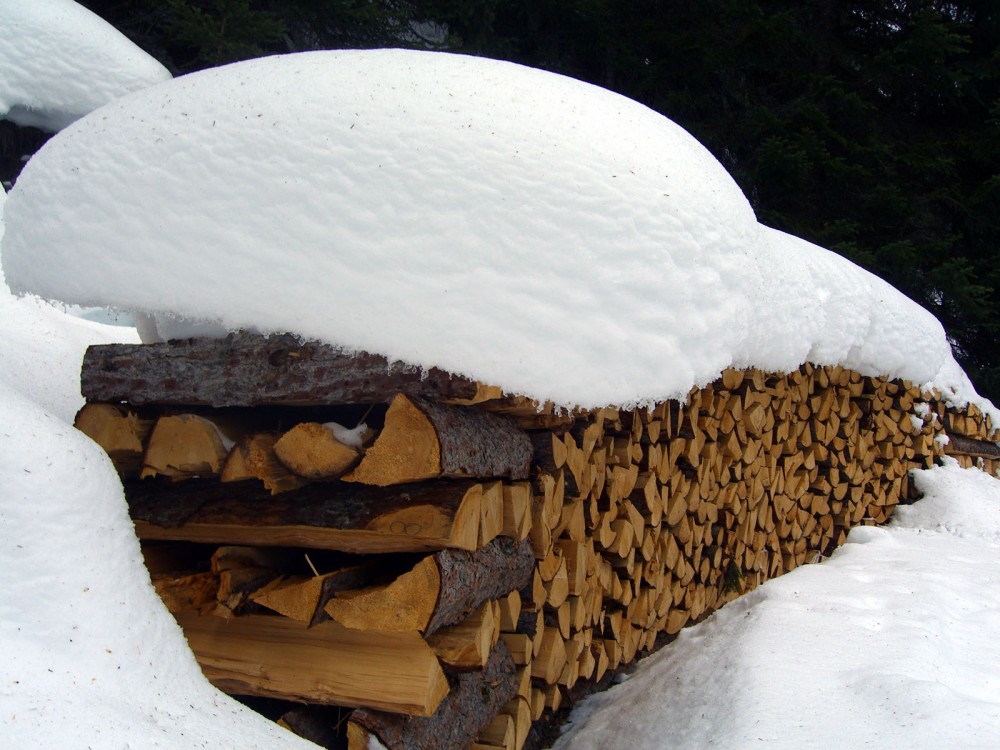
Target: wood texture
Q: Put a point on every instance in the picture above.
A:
(351, 518)
(253, 370)
(423, 440)
(280, 658)
(475, 699)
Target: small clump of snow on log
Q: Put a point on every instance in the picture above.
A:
(514, 226)
(59, 61)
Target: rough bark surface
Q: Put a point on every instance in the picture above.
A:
(254, 370)
(324, 516)
(972, 447)
(475, 443)
(475, 699)
(470, 578)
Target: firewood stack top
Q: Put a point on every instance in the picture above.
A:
(457, 565)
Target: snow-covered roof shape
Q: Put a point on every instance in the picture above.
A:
(504, 223)
(59, 61)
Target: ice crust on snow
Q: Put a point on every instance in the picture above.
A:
(59, 61)
(503, 223)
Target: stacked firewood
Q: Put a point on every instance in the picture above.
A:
(454, 563)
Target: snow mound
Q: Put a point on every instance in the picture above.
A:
(59, 61)
(518, 227)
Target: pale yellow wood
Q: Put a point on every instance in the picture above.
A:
(183, 446)
(467, 645)
(328, 663)
(407, 449)
(311, 450)
(405, 604)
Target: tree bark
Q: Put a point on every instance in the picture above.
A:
(350, 518)
(441, 590)
(253, 370)
(475, 699)
(972, 447)
(423, 440)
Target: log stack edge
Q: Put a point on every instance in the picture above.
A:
(377, 551)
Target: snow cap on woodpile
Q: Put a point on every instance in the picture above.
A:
(59, 61)
(515, 226)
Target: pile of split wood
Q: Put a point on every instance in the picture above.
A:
(454, 564)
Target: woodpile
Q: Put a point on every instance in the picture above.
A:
(456, 564)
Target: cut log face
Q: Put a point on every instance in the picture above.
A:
(312, 451)
(184, 446)
(278, 657)
(405, 604)
(253, 457)
(423, 440)
(350, 518)
(468, 644)
(304, 599)
(441, 590)
(120, 432)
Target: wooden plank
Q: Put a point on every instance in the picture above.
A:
(253, 370)
(280, 658)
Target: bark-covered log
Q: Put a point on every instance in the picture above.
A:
(475, 698)
(422, 440)
(972, 447)
(253, 370)
(440, 590)
(350, 518)
(470, 578)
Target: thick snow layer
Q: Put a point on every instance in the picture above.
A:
(892, 642)
(515, 226)
(59, 61)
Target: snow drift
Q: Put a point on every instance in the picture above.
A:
(59, 61)
(503, 223)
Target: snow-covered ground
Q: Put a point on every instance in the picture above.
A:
(613, 266)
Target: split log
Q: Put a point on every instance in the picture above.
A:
(423, 440)
(252, 370)
(192, 591)
(468, 644)
(253, 457)
(241, 571)
(280, 658)
(475, 699)
(350, 518)
(312, 450)
(185, 446)
(303, 599)
(119, 431)
(442, 589)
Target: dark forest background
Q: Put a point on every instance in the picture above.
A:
(871, 127)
